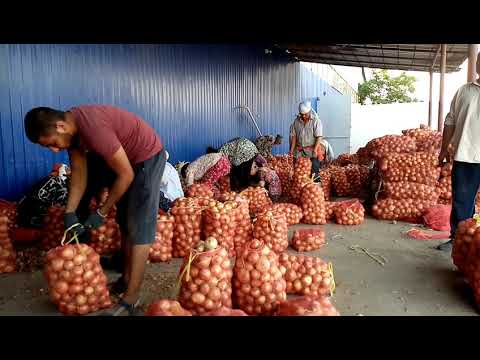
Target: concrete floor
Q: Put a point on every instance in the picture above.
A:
(416, 280)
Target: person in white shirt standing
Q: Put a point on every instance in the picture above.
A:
(462, 130)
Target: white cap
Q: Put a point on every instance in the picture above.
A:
(167, 154)
(305, 107)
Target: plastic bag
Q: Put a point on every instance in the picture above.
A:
(437, 217)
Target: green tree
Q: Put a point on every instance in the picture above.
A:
(384, 89)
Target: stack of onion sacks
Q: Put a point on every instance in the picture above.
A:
(307, 306)
(313, 204)
(243, 226)
(206, 278)
(161, 250)
(350, 212)
(188, 223)
(165, 307)
(7, 252)
(301, 175)
(387, 144)
(272, 230)
(220, 221)
(308, 239)
(76, 281)
(258, 285)
(200, 190)
(292, 212)
(406, 190)
(258, 199)
(467, 231)
(53, 228)
(306, 275)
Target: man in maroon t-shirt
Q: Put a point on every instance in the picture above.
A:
(108, 147)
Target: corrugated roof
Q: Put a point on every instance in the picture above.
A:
(410, 57)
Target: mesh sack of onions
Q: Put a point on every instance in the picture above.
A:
(292, 212)
(308, 239)
(326, 181)
(301, 175)
(307, 275)
(425, 138)
(307, 306)
(188, 223)
(472, 267)
(356, 179)
(76, 281)
(404, 209)
(467, 230)
(206, 278)
(408, 161)
(406, 190)
(340, 182)
(258, 285)
(165, 307)
(330, 210)
(445, 188)
(313, 204)
(364, 157)
(53, 228)
(224, 311)
(272, 230)
(258, 199)
(9, 210)
(283, 166)
(244, 226)
(441, 201)
(107, 238)
(350, 212)
(200, 190)
(224, 184)
(7, 252)
(161, 250)
(220, 221)
(227, 196)
(427, 176)
(477, 203)
(387, 144)
(94, 204)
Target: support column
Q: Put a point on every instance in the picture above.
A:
(472, 61)
(443, 65)
(430, 100)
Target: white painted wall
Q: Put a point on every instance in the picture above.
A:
(372, 121)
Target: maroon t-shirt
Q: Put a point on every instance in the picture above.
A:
(103, 129)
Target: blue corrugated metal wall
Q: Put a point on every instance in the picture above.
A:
(187, 93)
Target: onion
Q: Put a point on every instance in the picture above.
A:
(200, 190)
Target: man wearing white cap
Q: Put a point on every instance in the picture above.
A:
(306, 136)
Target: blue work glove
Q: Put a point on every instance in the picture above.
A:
(70, 219)
(94, 220)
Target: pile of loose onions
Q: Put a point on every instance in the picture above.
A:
(292, 212)
(258, 199)
(53, 227)
(301, 175)
(387, 144)
(107, 238)
(224, 184)
(225, 311)
(7, 252)
(272, 230)
(188, 223)
(200, 190)
(165, 307)
(307, 306)
(258, 285)
(405, 209)
(161, 250)
(306, 275)
(467, 230)
(406, 190)
(308, 239)
(220, 221)
(76, 281)
(326, 181)
(350, 212)
(206, 279)
(313, 204)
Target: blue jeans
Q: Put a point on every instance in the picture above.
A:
(465, 184)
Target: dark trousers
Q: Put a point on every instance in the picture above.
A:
(465, 184)
(315, 166)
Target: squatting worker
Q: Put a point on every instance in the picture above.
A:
(265, 143)
(462, 131)
(109, 147)
(306, 136)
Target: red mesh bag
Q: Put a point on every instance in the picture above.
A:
(308, 239)
(467, 231)
(258, 285)
(307, 306)
(187, 231)
(405, 209)
(76, 281)
(410, 190)
(437, 217)
(53, 228)
(220, 221)
(273, 230)
(206, 280)
(292, 212)
(307, 275)
(166, 308)
(258, 199)
(301, 175)
(200, 190)
(224, 311)
(313, 204)
(330, 210)
(7, 252)
(161, 250)
(350, 212)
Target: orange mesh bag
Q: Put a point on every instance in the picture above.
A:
(405, 209)
(307, 306)
(387, 144)
(273, 230)
(467, 230)
(410, 190)
(330, 210)
(350, 212)
(258, 285)
(220, 221)
(107, 238)
(224, 311)
(53, 228)
(472, 267)
(301, 175)
(243, 226)
(308, 239)
(313, 204)
(206, 278)
(7, 252)
(161, 250)
(258, 199)
(292, 212)
(200, 190)
(283, 166)
(227, 196)
(166, 308)
(326, 181)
